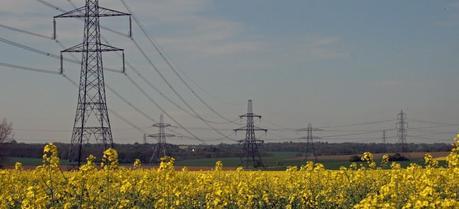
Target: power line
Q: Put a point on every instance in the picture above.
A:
(428, 138)
(352, 134)
(62, 46)
(42, 52)
(135, 108)
(112, 111)
(171, 66)
(160, 108)
(434, 122)
(53, 72)
(25, 31)
(151, 85)
(358, 124)
(163, 78)
(171, 87)
(126, 121)
(25, 47)
(12, 66)
(18, 67)
(175, 91)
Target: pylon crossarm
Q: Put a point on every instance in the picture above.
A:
(260, 129)
(161, 135)
(81, 13)
(260, 141)
(240, 129)
(102, 48)
(250, 116)
(162, 125)
(105, 12)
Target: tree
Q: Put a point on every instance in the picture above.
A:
(6, 131)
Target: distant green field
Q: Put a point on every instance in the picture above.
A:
(280, 161)
(27, 161)
(274, 161)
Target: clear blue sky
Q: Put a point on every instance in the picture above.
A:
(330, 63)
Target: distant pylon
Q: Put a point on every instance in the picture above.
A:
(402, 127)
(384, 140)
(160, 148)
(310, 150)
(250, 145)
(91, 120)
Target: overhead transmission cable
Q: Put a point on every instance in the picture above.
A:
(434, 122)
(149, 83)
(175, 92)
(357, 124)
(73, 83)
(169, 63)
(44, 53)
(352, 134)
(12, 66)
(25, 47)
(160, 108)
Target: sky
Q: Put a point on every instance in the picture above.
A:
(347, 67)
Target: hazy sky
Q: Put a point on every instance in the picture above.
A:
(331, 63)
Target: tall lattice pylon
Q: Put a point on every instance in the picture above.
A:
(310, 151)
(384, 140)
(402, 127)
(91, 121)
(160, 148)
(250, 145)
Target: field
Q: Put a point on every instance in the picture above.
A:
(275, 161)
(365, 185)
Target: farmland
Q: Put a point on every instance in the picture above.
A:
(361, 185)
(275, 161)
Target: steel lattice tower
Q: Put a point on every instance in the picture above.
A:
(91, 121)
(384, 140)
(160, 148)
(310, 150)
(250, 145)
(402, 127)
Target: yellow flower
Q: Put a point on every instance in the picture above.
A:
(50, 156)
(110, 159)
(137, 164)
(218, 166)
(385, 158)
(18, 166)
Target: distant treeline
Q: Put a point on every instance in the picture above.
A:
(129, 152)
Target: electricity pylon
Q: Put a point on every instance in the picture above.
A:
(160, 148)
(384, 140)
(310, 151)
(402, 127)
(91, 120)
(250, 145)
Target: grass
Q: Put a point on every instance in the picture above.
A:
(273, 161)
(282, 160)
(10, 161)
